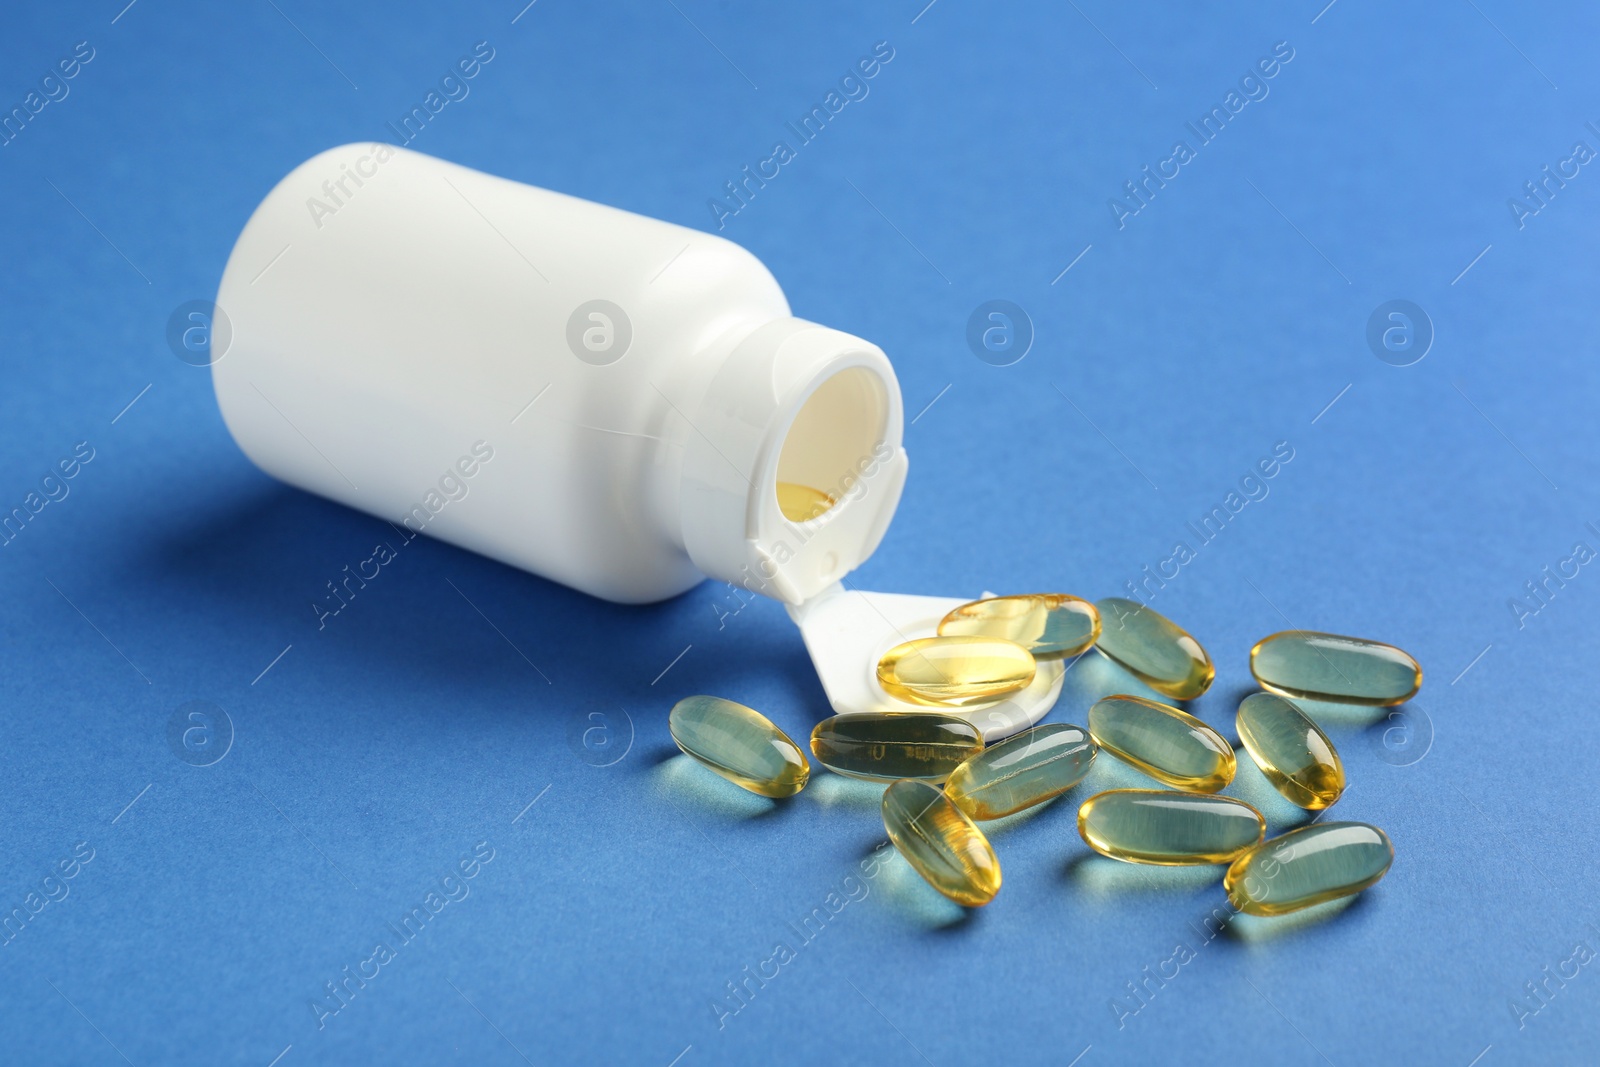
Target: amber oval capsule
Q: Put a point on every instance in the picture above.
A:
(1154, 648)
(1021, 771)
(1046, 624)
(801, 503)
(885, 746)
(1170, 829)
(1311, 865)
(941, 843)
(740, 744)
(955, 671)
(1291, 750)
(1169, 745)
(1348, 670)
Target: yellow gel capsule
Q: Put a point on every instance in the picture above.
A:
(740, 744)
(1348, 670)
(955, 671)
(1292, 752)
(941, 843)
(1311, 865)
(1154, 648)
(886, 746)
(1169, 829)
(1169, 745)
(1021, 771)
(1046, 624)
(801, 503)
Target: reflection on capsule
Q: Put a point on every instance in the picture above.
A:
(1021, 771)
(1292, 752)
(1046, 624)
(1308, 866)
(1171, 829)
(955, 671)
(1154, 648)
(740, 744)
(1169, 745)
(1349, 670)
(885, 746)
(941, 843)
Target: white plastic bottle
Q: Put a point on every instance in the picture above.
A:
(391, 311)
(600, 398)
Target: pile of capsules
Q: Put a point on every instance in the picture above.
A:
(988, 649)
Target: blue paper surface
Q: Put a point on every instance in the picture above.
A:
(624, 906)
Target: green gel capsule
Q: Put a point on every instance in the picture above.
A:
(1154, 648)
(1169, 745)
(740, 744)
(1046, 624)
(886, 746)
(941, 843)
(1348, 670)
(1292, 752)
(1021, 771)
(1308, 866)
(1170, 829)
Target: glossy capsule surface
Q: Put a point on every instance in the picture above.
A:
(941, 843)
(1291, 750)
(1021, 771)
(1308, 866)
(955, 671)
(740, 744)
(801, 503)
(1348, 670)
(1046, 624)
(885, 746)
(1170, 829)
(1154, 648)
(1169, 745)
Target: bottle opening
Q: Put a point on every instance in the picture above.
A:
(835, 440)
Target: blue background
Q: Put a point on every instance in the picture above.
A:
(1223, 318)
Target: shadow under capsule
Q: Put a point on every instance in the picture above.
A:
(1103, 877)
(913, 898)
(1264, 929)
(1093, 675)
(841, 791)
(688, 781)
(1252, 787)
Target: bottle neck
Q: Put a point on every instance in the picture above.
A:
(792, 464)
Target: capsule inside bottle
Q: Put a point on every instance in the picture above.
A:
(1169, 829)
(801, 503)
(1311, 865)
(1350, 670)
(1046, 624)
(941, 843)
(886, 746)
(955, 671)
(1153, 648)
